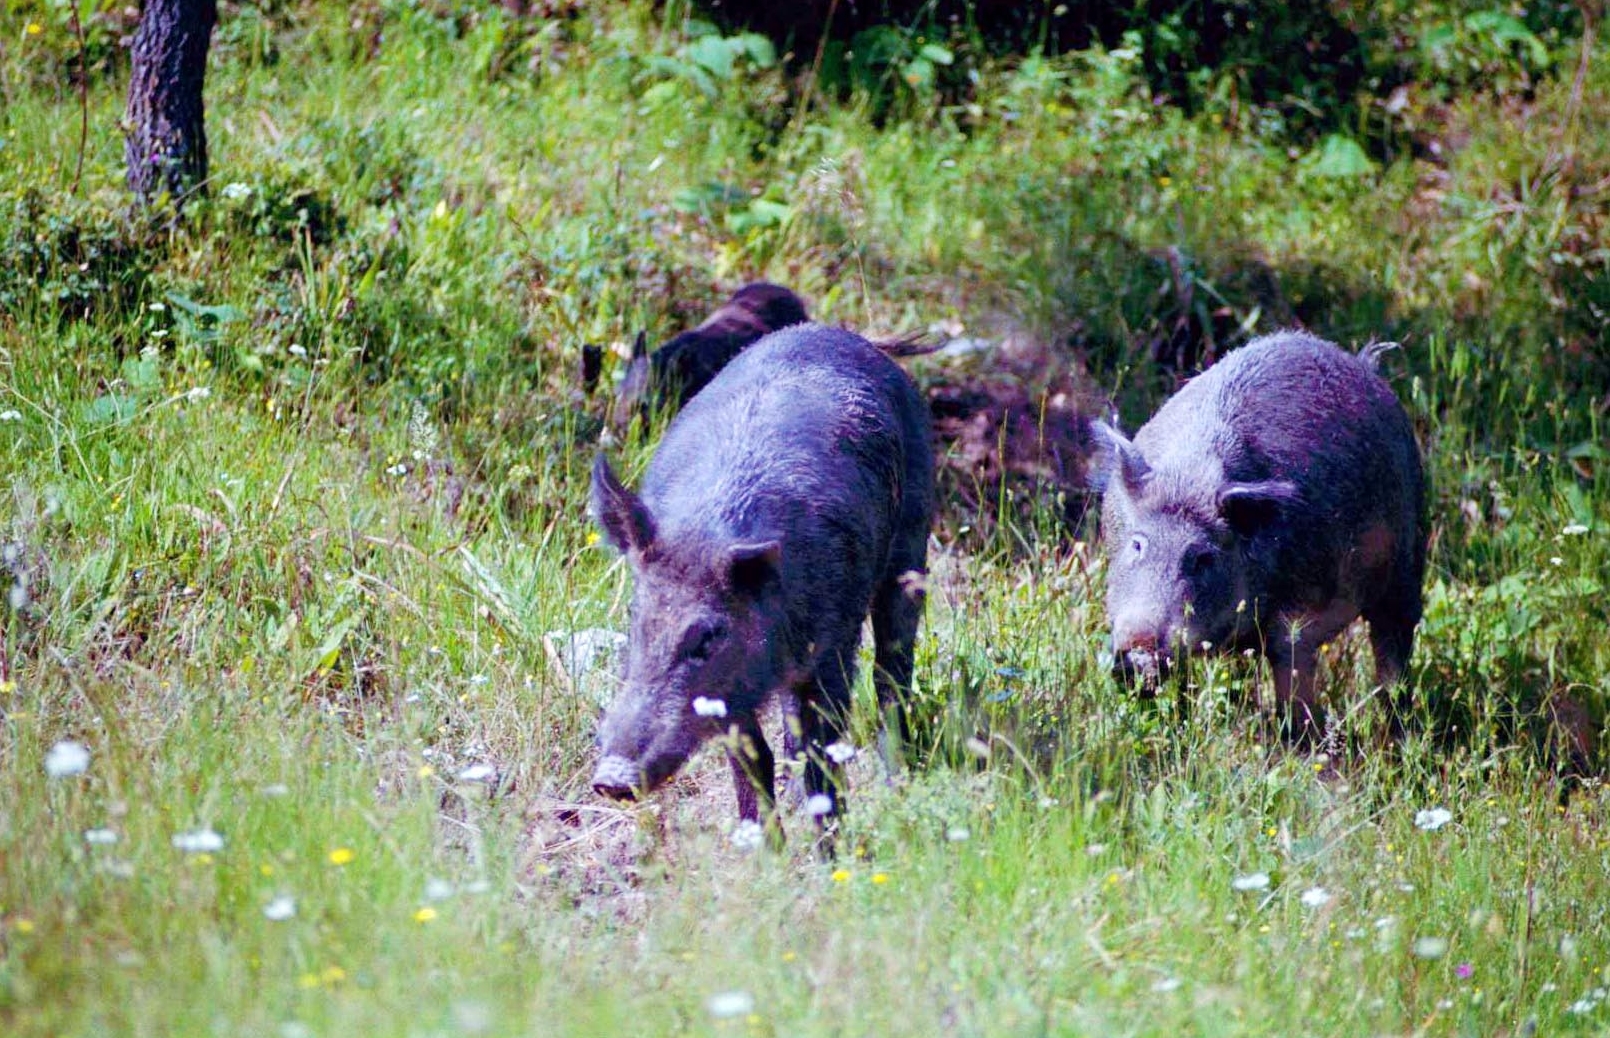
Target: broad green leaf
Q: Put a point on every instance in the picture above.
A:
(1339, 156)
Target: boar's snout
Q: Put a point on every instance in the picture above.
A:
(1139, 653)
(618, 778)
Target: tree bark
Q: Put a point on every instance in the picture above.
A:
(165, 132)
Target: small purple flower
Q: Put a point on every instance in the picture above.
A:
(1464, 971)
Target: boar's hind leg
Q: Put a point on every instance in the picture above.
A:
(753, 770)
(896, 612)
(1392, 640)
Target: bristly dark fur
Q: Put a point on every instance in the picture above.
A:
(671, 375)
(790, 495)
(1271, 501)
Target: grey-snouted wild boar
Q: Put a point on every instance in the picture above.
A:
(1269, 503)
(790, 498)
(672, 374)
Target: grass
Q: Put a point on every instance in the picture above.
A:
(294, 534)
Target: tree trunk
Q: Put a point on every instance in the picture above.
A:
(166, 136)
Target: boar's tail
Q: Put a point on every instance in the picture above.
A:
(1372, 353)
(909, 345)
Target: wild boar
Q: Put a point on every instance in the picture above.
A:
(788, 499)
(670, 376)
(1269, 503)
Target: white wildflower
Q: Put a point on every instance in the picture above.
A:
(198, 841)
(1432, 818)
(198, 393)
(100, 837)
(957, 834)
(67, 758)
(280, 909)
(1251, 881)
(438, 889)
(10, 416)
(706, 707)
(477, 773)
(819, 804)
(840, 752)
(1166, 984)
(730, 1004)
(1574, 530)
(236, 190)
(1430, 947)
(748, 835)
(472, 1017)
(1315, 897)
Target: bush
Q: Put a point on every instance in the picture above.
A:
(71, 257)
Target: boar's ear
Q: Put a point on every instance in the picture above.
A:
(1114, 456)
(750, 567)
(625, 519)
(1249, 507)
(640, 346)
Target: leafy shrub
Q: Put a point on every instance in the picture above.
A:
(278, 208)
(71, 256)
(49, 49)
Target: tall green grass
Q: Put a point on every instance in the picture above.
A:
(294, 542)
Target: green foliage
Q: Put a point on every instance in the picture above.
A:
(293, 535)
(42, 47)
(279, 210)
(70, 257)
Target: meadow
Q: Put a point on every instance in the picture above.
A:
(295, 727)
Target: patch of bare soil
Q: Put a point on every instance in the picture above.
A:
(1012, 432)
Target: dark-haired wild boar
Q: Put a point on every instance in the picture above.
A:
(670, 376)
(790, 498)
(1269, 503)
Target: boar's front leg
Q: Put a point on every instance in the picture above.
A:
(824, 712)
(753, 769)
(1302, 720)
(1295, 656)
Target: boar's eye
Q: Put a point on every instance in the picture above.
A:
(1199, 561)
(1137, 545)
(702, 640)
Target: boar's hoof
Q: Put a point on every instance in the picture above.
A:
(617, 778)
